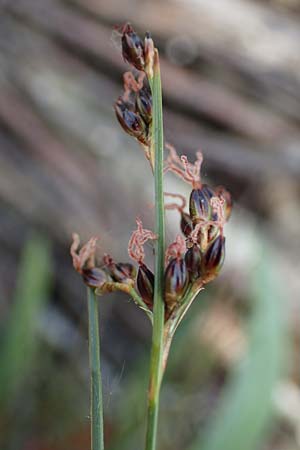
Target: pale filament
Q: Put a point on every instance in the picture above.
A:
(131, 84)
(181, 207)
(136, 243)
(176, 249)
(185, 170)
(86, 255)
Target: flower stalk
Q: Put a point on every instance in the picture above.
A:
(96, 404)
(156, 362)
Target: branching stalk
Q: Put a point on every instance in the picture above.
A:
(174, 321)
(96, 411)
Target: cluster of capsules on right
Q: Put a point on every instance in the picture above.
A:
(197, 257)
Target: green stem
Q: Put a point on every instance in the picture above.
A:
(96, 412)
(175, 319)
(156, 363)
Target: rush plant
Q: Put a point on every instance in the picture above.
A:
(182, 269)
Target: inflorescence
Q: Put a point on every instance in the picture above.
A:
(198, 251)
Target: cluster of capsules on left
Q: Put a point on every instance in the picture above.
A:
(197, 253)
(107, 275)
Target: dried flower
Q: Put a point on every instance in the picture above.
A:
(185, 170)
(176, 282)
(95, 277)
(176, 249)
(84, 263)
(186, 224)
(213, 259)
(133, 48)
(131, 122)
(200, 207)
(136, 243)
(222, 193)
(193, 260)
(144, 104)
(145, 284)
(120, 272)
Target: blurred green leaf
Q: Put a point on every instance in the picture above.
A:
(20, 339)
(246, 407)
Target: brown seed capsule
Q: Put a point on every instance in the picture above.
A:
(206, 235)
(212, 233)
(95, 277)
(213, 258)
(208, 191)
(193, 262)
(200, 207)
(133, 48)
(145, 284)
(186, 224)
(176, 281)
(122, 272)
(131, 122)
(144, 104)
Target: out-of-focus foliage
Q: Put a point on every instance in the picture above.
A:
(20, 344)
(247, 404)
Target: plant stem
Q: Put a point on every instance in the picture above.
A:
(156, 363)
(96, 411)
(175, 319)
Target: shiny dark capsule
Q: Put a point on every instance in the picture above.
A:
(95, 277)
(122, 272)
(186, 224)
(200, 207)
(131, 122)
(133, 48)
(145, 284)
(193, 262)
(144, 104)
(213, 258)
(176, 281)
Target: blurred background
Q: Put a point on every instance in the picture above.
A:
(231, 84)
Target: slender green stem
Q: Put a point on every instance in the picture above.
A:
(156, 363)
(175, 319)
(96, 412)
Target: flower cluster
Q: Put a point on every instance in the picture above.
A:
(191, 261)
(200, 258)
(197, 254)
(99, 275)
(134, 107)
